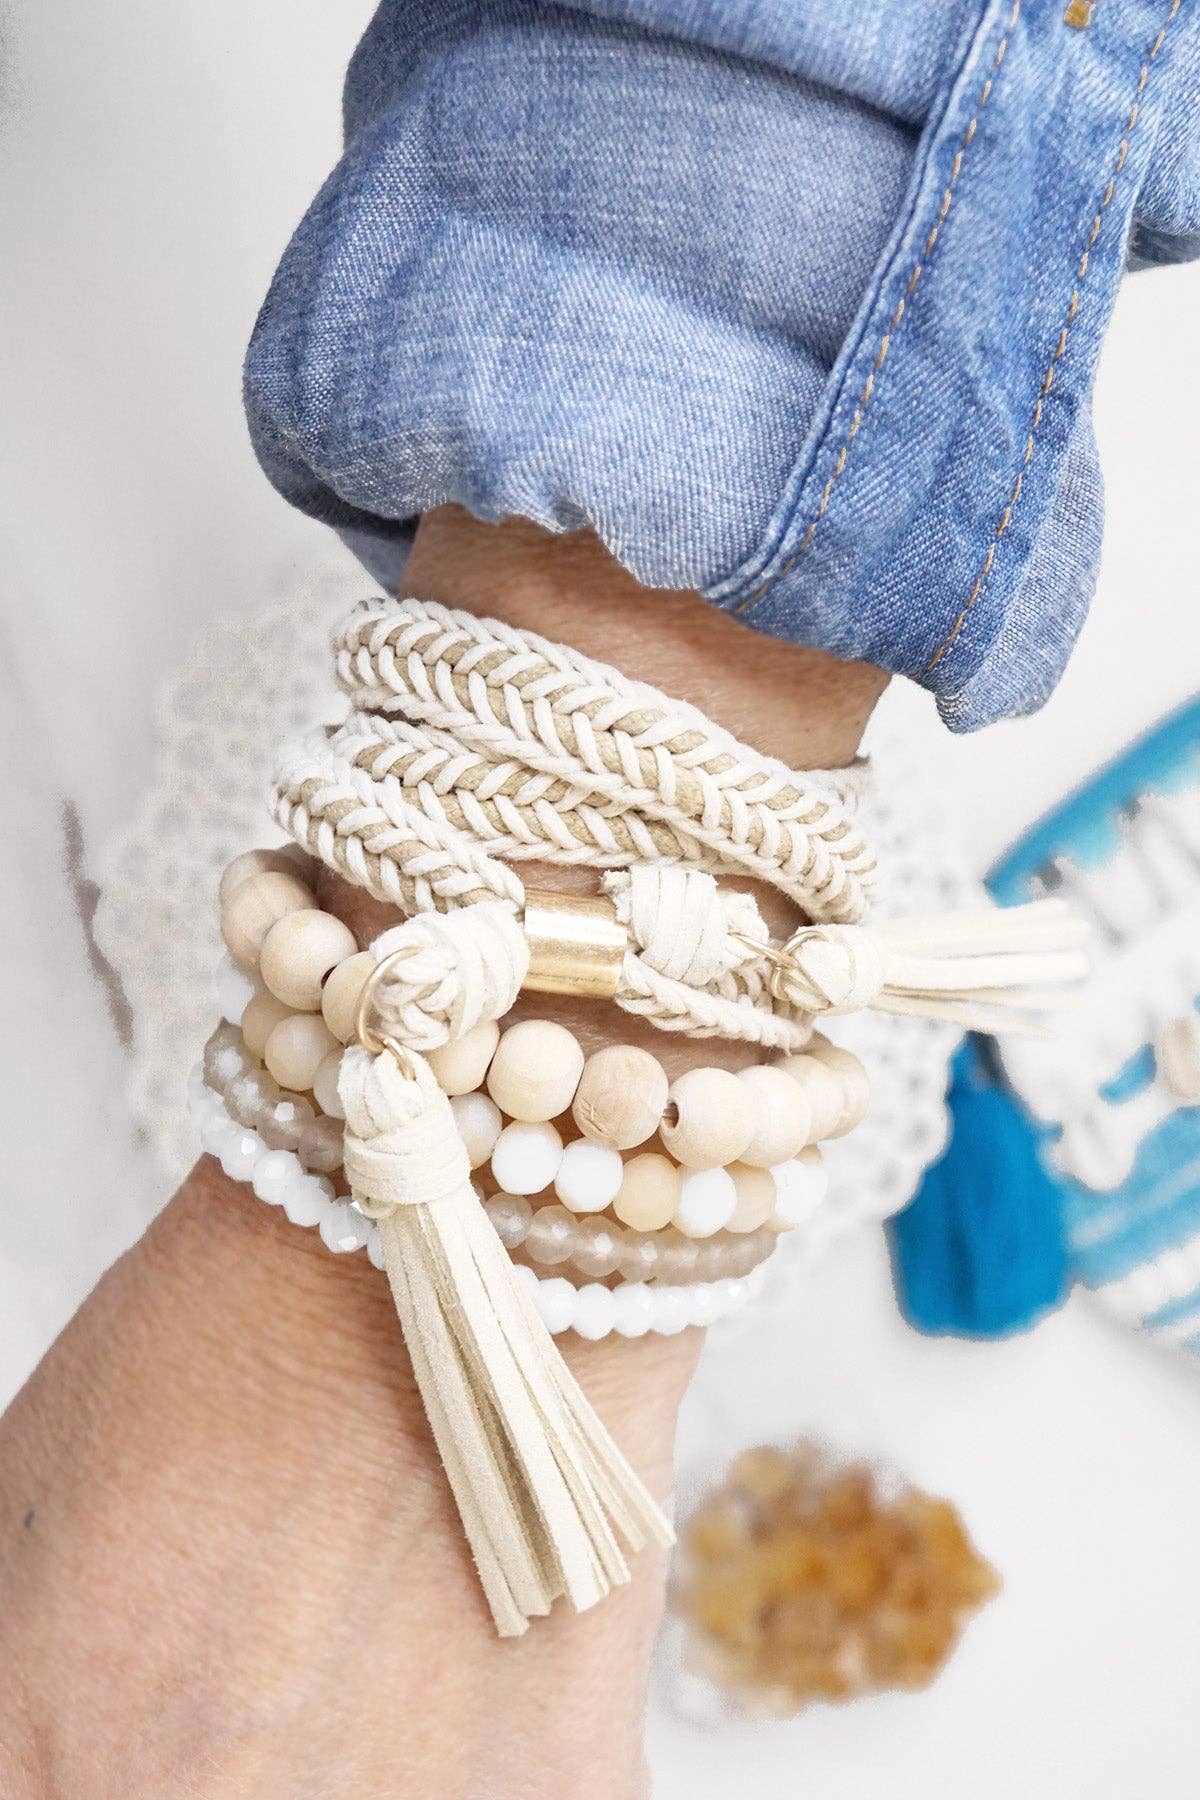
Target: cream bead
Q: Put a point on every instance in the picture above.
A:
(713, 1120)
(856, 1083)
(649, 1192)
(325, 1085)
(535, 1071)
(620, 1097)
(678, 1256)
(595, 1311)
(299, 952)
(588, 1176)
(342, 992)
(255, 906)
(461, 1066)
(801, 1185)
(263, 1013)
(782, 1116)
(597, 1249)
(551, 1236)
(478, 1121)
(707, 1201)
(321, 1146)
(639, 1257)
(555, 1301)
(287, 859)
(526, 1156)
(633, 1309)
(822, 1088)
(755, 1197)
(511, 1216)
(286, 1117)
(296, 1048)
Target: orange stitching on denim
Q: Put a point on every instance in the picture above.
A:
(1005, 518)
(885, 343)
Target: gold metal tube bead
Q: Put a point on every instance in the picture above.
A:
(576, 944)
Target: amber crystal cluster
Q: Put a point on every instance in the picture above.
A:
(799, 1580)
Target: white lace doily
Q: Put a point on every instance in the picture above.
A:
(251, 682)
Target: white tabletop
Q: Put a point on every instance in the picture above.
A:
(154, 162)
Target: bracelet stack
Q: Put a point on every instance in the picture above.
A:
(390, 1096)
(673, 1192)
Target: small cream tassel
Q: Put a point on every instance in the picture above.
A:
(544, 1494)
(989, 971)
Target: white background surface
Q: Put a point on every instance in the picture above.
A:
(152, 163)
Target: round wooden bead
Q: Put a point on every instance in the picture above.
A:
(461, 1066)
(588, 1176)
(299, 952)
(341, 994)
(707, 1201)
(287, 859)
(649, 1192)
(713, 1120)
(782, 1116)
(856, 1083)
(755, 1197)
(262, 1014)
(479, 1123)
(325, 1084)
(525, 1157)
(535, 1071)
(296, 1049)
(620, 1097)
(255, 906)
(822, 1088)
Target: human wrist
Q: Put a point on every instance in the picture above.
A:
(230, 1343)
(804, 706)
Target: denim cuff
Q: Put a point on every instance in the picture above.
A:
(795, 307)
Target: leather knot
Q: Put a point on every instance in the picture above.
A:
(683, 925)
(831, 969)
(401, 1146)
(459, 967)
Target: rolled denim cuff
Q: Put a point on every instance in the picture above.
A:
(802, 312)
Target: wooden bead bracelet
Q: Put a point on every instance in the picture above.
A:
(549, 1234)
(592, 1310)
(310, 975)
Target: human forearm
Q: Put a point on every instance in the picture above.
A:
(243, 1567)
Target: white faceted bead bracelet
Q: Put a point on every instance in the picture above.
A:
(593, 1246)
(278, 1178)
(706, 1206)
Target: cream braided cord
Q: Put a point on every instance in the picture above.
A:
(514, 748)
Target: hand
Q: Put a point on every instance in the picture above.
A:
(229, 1560)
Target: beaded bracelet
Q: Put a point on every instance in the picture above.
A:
(631, 1310)
(619, 1097)
(595, 1246)
(469, 747)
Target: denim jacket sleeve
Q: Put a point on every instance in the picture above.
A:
(794, 302)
